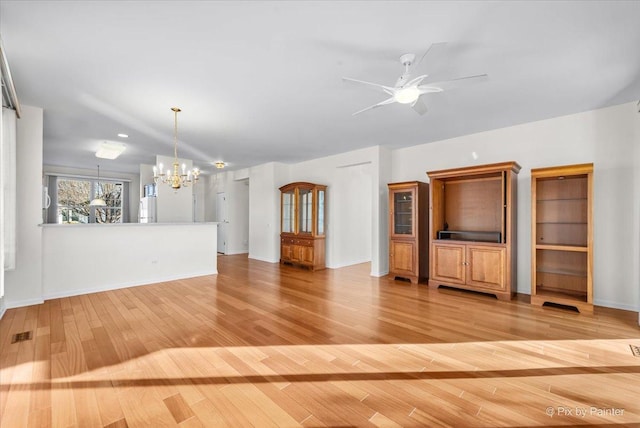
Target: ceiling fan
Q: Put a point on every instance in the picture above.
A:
(407, 90)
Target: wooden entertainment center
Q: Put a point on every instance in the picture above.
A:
(472, 228)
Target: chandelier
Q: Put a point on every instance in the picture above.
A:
(175, 178)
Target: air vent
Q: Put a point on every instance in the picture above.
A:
(21, 337)
(635, 350)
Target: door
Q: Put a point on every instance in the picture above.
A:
(403, 257)
(221, 218)
(449, 263)
(486, 266)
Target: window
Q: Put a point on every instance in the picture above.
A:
(75, 194)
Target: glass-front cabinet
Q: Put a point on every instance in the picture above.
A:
(408, 230)
(302, 237)
(403, 212)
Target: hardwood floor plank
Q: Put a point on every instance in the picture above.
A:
(178, 408)
(265, 344)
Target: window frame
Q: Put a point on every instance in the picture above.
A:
(95, 190)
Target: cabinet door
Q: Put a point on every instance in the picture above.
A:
(288, 211)
(449, 263)
(320, 214)
(306, 255)
(285, 251)
(296, 253)
(403, 257)
(305, 214)
(403, 213)
(486, 266)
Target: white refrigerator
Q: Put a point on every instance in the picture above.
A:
(147, 213)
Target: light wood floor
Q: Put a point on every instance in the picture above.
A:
(268, 345)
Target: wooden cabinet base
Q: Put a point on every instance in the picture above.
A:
(306, 252)
(411, 278)
(582, 307)
(501, 296)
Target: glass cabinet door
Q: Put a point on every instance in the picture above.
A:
(320, 216)
(306, 211)
(288, 211)
(403, 213)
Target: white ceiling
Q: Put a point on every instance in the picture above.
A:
(261, 81)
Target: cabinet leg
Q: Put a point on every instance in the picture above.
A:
(504, 297)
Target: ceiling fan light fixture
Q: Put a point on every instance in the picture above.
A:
(406, 95)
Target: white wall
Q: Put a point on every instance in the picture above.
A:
(349, 208)
(128, 255)
(604, 137)
(23, 286)
(380, 211)
(264, 210)
(2, 191)
(636, 192)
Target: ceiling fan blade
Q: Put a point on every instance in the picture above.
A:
(432, 51)
(381, 103)
(382, 88)
(416, 81)
(427, 89)
(419, 106)
(460, 81)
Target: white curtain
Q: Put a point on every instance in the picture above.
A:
(9, 186)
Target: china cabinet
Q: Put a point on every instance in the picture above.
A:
(302, 233)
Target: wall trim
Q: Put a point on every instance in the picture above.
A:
(349, 263)
(234, 252)
(379, 274)
(3, 307)
(264, 259)
(22, 303)
(615, 305)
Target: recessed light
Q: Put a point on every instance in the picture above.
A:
(123, 136)
(110, 150)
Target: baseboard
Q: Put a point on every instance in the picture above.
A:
(616, 305)
(262, 259)
(3, 308)
(351, 263)
(234, 252)
(379, 274)
(71, 293)
(21, 303)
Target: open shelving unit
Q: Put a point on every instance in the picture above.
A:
(562, 236)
